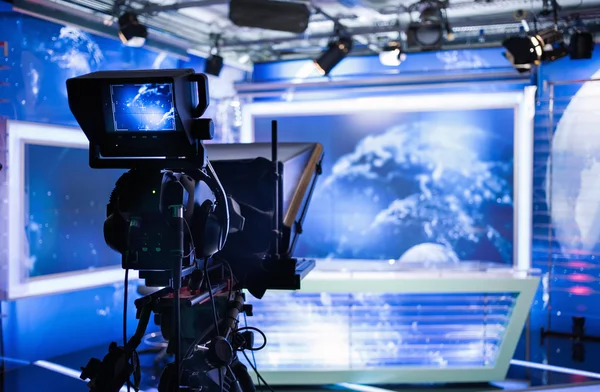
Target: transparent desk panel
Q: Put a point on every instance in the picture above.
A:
(359, 318)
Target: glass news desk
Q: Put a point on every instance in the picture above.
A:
(377, 323)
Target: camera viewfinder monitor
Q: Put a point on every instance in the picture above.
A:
(145, 107)
(143, 118)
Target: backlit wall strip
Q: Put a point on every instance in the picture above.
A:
(3, 210)
(361, 330)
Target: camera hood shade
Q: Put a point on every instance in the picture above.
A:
(246, 172)
(92, 100)
(299, 162)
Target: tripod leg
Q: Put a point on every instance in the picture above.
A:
(243, 377)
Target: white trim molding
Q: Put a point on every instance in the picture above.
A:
(19, 283)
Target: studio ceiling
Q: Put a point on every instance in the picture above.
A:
(192, 25)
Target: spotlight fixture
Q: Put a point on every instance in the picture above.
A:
(553, 41)
(336, 51)
(392, 54)
(581, 45)
(524, 52)
(131, 32)
(213, 65)
(428, 32)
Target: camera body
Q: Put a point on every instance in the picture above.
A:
(170, 218)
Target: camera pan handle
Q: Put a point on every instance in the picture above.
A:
(201, 81)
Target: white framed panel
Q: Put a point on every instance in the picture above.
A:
(19, 284)
(522, 102)
(495, 281)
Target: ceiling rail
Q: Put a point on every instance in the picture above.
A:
(386, 81)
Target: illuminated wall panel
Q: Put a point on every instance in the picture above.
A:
(365, 330)
(394, 326)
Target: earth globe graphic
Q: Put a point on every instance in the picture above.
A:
(417, 192)
(572, 191)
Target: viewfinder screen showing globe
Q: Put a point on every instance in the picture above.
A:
(414, 187)
(143, 107)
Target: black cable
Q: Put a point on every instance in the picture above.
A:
(125, 298)
(256, 371)
(253, 356)
(193, 250)
(214, 309)
(252, 349)
(210, 294)
(230, 276)
(246, 328)
(230, 280)
(221, 379)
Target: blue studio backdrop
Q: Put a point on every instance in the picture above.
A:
(43, 55)
(394, 185)
(565, 224)
(66, 200)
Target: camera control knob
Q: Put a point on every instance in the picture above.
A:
(220, 352)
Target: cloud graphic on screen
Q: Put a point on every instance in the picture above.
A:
(75, 50)
(145, 107)
(170, 115)
(144, 91)
(419, 183)
(461, 59)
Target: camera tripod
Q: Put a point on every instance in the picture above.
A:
(209, 338)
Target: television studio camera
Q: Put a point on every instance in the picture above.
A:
(199, 230)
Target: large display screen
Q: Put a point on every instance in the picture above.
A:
(143, 107)
(65, 208)
(420, 187)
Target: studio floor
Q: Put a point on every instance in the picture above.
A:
(61, 374)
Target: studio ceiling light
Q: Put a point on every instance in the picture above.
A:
(336, 51)
(553, 42)
(287, 16)
(428, 31)
(213, 65)
(392, 54)
(131, 32)
(581, 45)
(525, 52)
